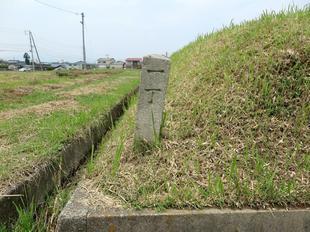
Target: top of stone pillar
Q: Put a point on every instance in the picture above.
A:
(156, 56)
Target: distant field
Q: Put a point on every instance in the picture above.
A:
(237, 125)
(40, 111)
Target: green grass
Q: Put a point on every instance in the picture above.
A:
(29, 137)
(237, 124)
(44, 218)
(3, 228)
(25, 220)
(117, 158)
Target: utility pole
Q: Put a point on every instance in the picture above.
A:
(31, 50)
(84, 52)
(35, 47)
(82, 22)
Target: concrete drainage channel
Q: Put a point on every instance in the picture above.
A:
(82, 215)
(34, 189)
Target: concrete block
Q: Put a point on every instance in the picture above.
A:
(74, 217)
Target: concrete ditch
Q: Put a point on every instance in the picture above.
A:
(81, 215)
(34, 188)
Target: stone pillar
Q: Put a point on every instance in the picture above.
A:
(152, 91)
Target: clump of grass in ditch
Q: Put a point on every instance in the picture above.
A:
(3, 228)
(25, 220)
(44, 218)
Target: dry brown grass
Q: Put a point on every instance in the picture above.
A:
(96, 198)
(18, 92)
(41, 109)
(48, 87)
(85, 90)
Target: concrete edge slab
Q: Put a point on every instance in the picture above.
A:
(101, 218)
(74, 216)
(34, 188)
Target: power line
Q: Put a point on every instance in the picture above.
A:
(57, 8)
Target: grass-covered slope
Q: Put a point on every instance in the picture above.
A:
(239, 99)
(237, 127)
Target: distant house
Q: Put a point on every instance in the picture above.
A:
(110, 63)
(68, 66)
(105, 62)
(134, 62)
(117, 65)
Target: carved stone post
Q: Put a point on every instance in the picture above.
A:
(152, 92)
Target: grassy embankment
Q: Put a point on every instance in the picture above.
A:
(237, 124)
(41, 111)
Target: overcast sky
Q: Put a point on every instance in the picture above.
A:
(118, 28)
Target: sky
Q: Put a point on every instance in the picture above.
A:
(118, 28)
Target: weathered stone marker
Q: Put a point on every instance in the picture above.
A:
(152, 91)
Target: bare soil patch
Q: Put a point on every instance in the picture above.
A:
(18, 92)
(49, 87)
